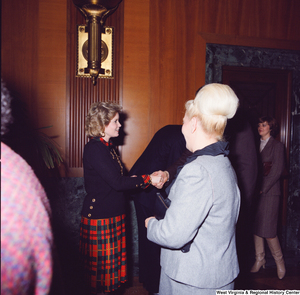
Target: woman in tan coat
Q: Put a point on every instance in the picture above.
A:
(265, 224)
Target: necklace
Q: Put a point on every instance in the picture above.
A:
(115, 156)
(111, 150)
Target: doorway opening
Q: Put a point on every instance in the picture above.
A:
(219, 56)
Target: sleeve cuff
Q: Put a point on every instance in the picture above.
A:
(146, 180)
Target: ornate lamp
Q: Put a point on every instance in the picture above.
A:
(95, 12)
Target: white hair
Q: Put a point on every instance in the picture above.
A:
(213, 105)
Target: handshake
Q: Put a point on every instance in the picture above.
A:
(159, 178)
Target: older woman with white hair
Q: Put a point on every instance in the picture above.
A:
(205, 202)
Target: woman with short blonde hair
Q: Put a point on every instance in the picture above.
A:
(99, 116)
(102, 228)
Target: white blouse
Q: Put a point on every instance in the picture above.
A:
(263, 143)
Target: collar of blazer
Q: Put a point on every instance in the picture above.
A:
(268, 145)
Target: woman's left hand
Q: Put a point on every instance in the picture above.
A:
(147, 221)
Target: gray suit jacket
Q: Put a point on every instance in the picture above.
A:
(205, 207)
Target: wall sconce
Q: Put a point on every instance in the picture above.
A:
(95, 42)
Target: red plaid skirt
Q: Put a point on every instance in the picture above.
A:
(103, 250)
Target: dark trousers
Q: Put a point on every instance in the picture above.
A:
(149, 252)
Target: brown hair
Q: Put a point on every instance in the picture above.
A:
(272, 123)
(99, 116)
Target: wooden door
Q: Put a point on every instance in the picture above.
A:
(265, 92)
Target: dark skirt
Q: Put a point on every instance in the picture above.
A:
(103, 250)
(265, 224)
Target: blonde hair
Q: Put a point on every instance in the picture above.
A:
(99, 116)
(213, 105)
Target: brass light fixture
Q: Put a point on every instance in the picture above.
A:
(106, 70)
(93, 48)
